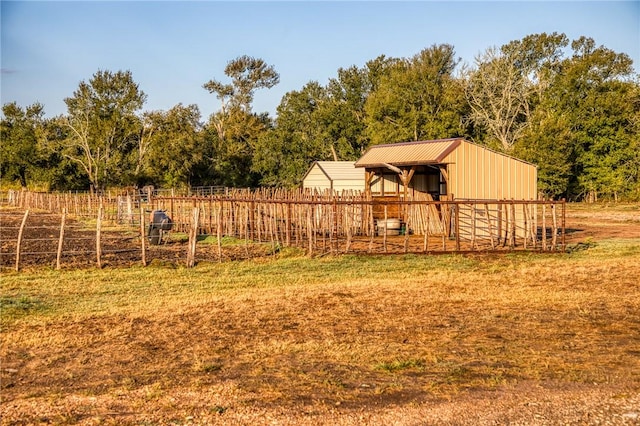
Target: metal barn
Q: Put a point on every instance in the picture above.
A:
(446, 169)
(450, 170)
(334, 175)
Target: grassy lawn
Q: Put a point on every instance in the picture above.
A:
(166, 342)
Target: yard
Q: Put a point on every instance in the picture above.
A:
(521, 338)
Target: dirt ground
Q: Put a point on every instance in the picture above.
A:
(103, 388)
(120, 246)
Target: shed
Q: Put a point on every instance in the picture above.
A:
(446, 169)
(335, 175)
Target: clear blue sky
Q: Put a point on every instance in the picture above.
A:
(173, 48)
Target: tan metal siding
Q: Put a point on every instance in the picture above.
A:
(348, 185)
(336, 175)
(316, 179)
(341, 170)
(478, 173)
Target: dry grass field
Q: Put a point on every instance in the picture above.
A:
(515, 338)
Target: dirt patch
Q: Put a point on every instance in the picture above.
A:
(598, 222)
(120, 245)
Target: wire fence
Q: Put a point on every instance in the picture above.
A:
(75, 229)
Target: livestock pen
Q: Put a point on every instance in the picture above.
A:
(244, 224)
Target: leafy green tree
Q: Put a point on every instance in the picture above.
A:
(170, 147)
(548, 144)
(103, 127)
(234, 129)
(341, 114)
(284, 153)
(506, 83)
(604, 105)
(417, 99)
(59, 172)
(21, 152)
(319, 123)
(583, 132)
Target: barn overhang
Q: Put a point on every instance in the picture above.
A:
(406, 174)
(405, 159)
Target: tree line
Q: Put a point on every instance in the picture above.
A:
(570, 107)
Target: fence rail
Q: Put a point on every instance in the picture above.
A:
(245, 224)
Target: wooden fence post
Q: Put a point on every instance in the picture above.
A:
(406, 226)
(372, 226)
(348, 225)
(512, 243)
(334, 234)
(310, 228)
(99, 237)
(490, 226)
(554, 236)
(143, 237)
(526, 224)
(19, 244)
(219, 229)
(251, 221)
(564, 225)
(544, 226)
(457, 225)
(384, 237)
(193, 237)
(425, 247)
(61, 239)
(474, 218)
(288, 225)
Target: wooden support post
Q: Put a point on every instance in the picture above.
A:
(444, 212)
(99, 237)
(426, 228)
(19, 243)
(310, 227)
(526, 224)
(512, 242)
(61, 240)
(129, 209)
(406, 228)
(372, 229)
(334, 231)
(348, 225)
(490, 226)
(506, 225)
(252, 219)
(193, 238)
(288, 225)
(564, 224)
(499, 220)
(272, 227)
(368, 178)
(143, 237)
(533, 225)
(384, 230)
(554, 236)
(457, 226)
(473, 225)
(171, 205)
(219, 229)
(544, 226)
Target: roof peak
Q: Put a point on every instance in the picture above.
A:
(420, 142)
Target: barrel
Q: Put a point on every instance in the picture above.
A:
(393, 226)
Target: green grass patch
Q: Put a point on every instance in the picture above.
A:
(399, 365)
(13, 307)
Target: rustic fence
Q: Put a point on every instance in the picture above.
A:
(242, 224)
